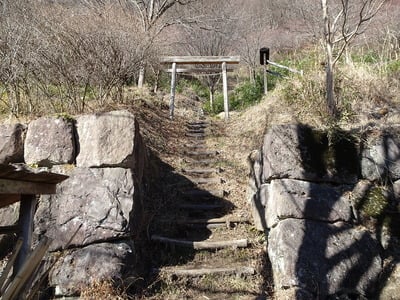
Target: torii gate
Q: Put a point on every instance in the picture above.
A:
(195, 60)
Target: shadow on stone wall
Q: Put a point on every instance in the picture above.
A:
(331, 235)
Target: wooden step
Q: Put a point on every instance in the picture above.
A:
(198, 123)
(196, 146)
(202, 245)
(193, 194)
(199, 153)
(196, 130)
(204, 181)
(197, 136)
(189, 206)
(224, 220)
(195, 272)
(199, 171)
(200, 161)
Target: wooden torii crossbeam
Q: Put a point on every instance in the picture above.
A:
(195, 60)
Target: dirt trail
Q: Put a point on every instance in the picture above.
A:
(203, 243)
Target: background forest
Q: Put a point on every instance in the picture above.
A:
(77, 56)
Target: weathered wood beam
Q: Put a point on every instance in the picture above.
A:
(26, 214)
(173, 87)
(9, 229)
(242, 270)
(203, 244)
(200, 59)
(197, 70)
(7, 199)
(25, 187)
(212, 221)
(29, 267)
(5, 278)
(225, 90)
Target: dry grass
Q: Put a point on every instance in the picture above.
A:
(104, 290)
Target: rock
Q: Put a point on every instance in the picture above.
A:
(293, 293)
(12, 143)
(396, 192)
(108, 140)
(50, 141)
(380, 156)
(102, 200)
(299, 152)
(323, 259)
(9, 215)
(391, 286)
(290, 198)
(255, 165)
(258, 203)
(81, 267)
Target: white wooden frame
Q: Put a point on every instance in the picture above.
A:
(193, 60)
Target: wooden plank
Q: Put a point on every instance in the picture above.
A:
(45, 274)
(3, 279)
(8, 199)
(8, 186)
(198, 70)
(172, 98)
(225, 90)
(284, 67)
(199, 171)
(27, 270)
(25, 222)
(212, 221)
(9, 229)
(200, 59)
(242, 243)
(189, 206)
(241, 270)
(23, 172)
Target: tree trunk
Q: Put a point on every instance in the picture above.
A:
(212, 99)
(156, 81)
(141, 76)
(330, 94)
(329, 66)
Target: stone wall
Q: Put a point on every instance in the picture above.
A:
(322, 199)
(104, 157)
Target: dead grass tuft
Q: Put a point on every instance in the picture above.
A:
(104, 290)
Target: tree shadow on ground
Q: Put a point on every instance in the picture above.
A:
(165, 193)
(353, 261)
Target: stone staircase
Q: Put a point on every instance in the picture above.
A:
(203, 239)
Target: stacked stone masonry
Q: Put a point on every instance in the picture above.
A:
(104, 157)
(306, 189)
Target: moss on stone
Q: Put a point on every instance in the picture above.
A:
(375, 202)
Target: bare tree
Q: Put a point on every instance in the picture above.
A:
(213, 34)
(153, 20)
(342, 22)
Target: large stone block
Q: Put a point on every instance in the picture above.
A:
(12, 143)
(108, 140)
(299, 152)
(99, 200)
(297, 199)
(95, 263)
(50, 141)
(324, 259)
(9, 215)
(380, 156)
